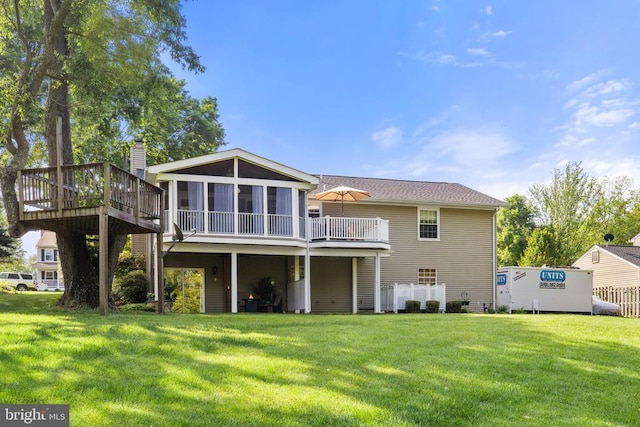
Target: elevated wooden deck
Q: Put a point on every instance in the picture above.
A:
(88, 190)
(94, 198)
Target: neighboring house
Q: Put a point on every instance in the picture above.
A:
(613, 265)
(247, 218)
(47, 266)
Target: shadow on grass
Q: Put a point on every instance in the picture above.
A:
(145, 369)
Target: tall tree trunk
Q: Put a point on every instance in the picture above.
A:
(80, 276)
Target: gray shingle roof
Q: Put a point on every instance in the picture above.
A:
(628, 253)
(402, 191)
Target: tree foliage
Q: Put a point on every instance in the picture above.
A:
(571, 213)
(514, 226)
(99, 66)
(542, 248)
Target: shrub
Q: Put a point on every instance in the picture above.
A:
(137, 307)
(502, 309)
(454, 306)
(133, 287)
(433, 306)
(128, 262)
(412, 306)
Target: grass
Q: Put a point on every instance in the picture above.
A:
(144, 369)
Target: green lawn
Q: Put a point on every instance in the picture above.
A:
(144, 369)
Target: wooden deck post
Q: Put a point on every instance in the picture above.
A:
(103, 234)
(160, 272)
(103, 264)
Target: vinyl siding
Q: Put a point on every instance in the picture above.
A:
(215, 286)
(331, 285)
(463, 256)
(610, 271)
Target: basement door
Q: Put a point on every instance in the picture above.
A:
(185, 287)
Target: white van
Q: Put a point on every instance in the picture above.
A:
(18, 281)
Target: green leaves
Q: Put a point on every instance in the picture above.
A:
(572, 212)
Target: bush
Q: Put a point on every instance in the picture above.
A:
(128, 262)
(433, 306)
(454, 306)
(502, 309)
(137, 307)
(412, 306)
(133, 287)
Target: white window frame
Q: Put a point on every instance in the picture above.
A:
(49, 253)
(438, 222)
(421, 276)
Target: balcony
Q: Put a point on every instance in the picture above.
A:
(223, 224)
(77, 194)
(349, 232)
(324, 232)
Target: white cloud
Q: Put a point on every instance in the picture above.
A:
(478, 52)
(488, 10)
(490, 35)
(501, 34)
(608, 87)
(582, 83)
(388, 138)
(446, 59)
(597, 105)
(435, 8)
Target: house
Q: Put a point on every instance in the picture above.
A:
(247, 220)
(616, 274)
(47, 266)
(612, 265)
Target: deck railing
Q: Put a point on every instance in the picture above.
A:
(83, 186)
(344, 228)
(253, 224)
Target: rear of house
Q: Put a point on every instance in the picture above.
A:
(438, 233)
(249, 220)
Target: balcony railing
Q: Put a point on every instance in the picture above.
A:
(355, 229)
(253, 224)
(83, 186)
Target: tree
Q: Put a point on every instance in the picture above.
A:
(565, 205)
(514, 226)
(8, 245)
(578, 210)
(98, 66)
(542, 248)
(616, 210)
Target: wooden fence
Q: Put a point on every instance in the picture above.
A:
(627, 297)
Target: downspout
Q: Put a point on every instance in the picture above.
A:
(307, 260)
(494, 260)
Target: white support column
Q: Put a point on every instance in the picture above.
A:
(307, 283)
(265, 211)
(354, 284)
(295, 213)
(376, 290)
(234, 282)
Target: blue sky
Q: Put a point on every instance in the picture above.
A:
(493, 95)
